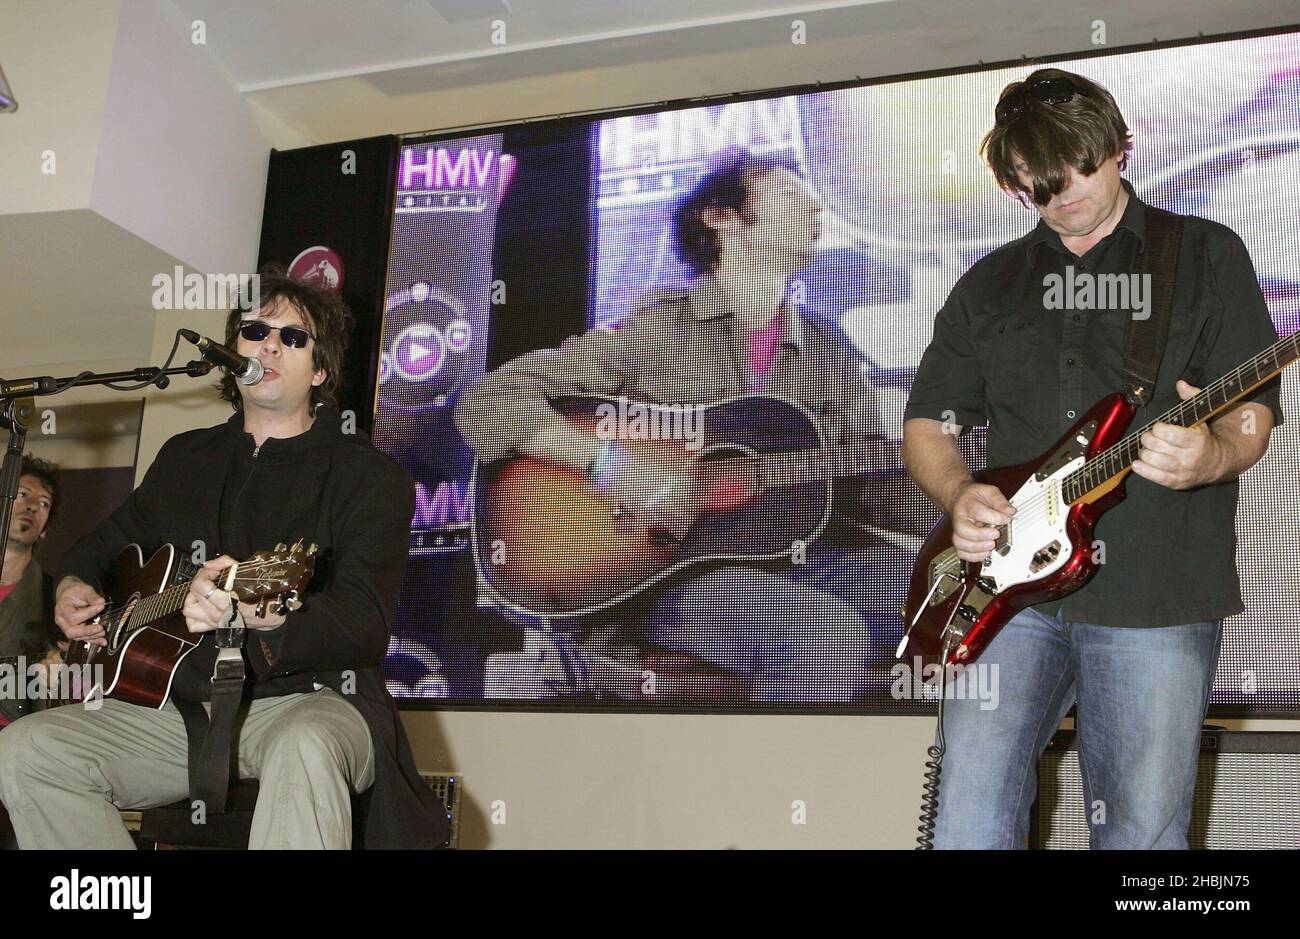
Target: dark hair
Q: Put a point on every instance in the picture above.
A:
(725, 187)
(327, 316)
(1082, 132)
(48, 473)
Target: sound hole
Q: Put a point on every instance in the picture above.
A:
(118, 632)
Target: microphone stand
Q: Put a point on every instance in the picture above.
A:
(18, 408)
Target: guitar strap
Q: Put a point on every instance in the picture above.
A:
(210, 753)
(1144, 342)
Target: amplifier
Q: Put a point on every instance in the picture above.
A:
(1247, 793)
(447, 788)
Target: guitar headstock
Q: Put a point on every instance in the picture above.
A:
(275, 578)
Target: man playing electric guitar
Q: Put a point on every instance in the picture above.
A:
(801, 631)
(1137, 646)
(320, 727)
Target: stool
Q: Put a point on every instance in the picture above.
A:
(171, 826)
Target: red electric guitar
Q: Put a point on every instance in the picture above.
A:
(1045, 551)
(146, 631)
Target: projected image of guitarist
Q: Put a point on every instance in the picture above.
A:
(1033, 341)
(678, 473)
(318, 725)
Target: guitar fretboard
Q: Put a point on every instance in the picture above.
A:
(151, 609)
(1201, 407)
(874, 456)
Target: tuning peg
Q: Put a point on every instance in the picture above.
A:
(261, 608)
(293, 603)
(277, 607)
(311, 551)
(281, 546)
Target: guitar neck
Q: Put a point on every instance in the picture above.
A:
(160, 605)
(1208, 402)
(874, 456)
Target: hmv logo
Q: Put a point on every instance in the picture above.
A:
(432, 168)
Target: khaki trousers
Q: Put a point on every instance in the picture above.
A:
(65, 772)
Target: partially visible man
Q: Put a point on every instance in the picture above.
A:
(27, 592)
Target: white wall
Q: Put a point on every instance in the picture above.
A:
(182, 162)
(56, 57)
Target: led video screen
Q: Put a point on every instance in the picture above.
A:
(522, 587)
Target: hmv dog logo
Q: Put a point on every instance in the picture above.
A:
(320, 266)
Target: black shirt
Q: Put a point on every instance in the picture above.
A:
(1000, 355)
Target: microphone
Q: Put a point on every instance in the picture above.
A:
(247, 370)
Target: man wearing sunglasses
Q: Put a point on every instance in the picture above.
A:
(1136, 648)
(318, 725)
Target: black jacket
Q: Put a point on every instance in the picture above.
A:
(26, 618)
(211, 489)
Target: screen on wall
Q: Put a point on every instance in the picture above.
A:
(537, 274)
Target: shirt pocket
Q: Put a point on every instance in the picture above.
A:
(1012, 354)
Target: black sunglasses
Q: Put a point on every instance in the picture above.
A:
(295, 337)
(1052, 91)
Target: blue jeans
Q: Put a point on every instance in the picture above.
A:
(808, 632)
(1141, 694)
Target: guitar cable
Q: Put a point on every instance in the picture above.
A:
(933, 768)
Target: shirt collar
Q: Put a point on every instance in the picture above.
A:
(1134, 219)
(707, 301)
(322, 432)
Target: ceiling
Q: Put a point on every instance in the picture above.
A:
(341, 69)
(292, 42)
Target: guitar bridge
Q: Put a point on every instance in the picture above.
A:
(945, 576)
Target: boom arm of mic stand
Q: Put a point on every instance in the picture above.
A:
(17, 408)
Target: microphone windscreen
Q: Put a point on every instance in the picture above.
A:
(254, 373)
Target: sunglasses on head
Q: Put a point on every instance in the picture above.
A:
(295, 337)
(1051, 91)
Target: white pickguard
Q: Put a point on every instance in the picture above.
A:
(1036, 543)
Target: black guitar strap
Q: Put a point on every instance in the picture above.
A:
(1144, 342)
(210, 752)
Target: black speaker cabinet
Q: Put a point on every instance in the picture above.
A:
(1247, 793)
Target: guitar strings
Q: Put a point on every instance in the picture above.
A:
(1035, 508)
(113, 612)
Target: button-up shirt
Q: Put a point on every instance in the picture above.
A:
(676, 347)
(1017, 347)
(680, 346)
